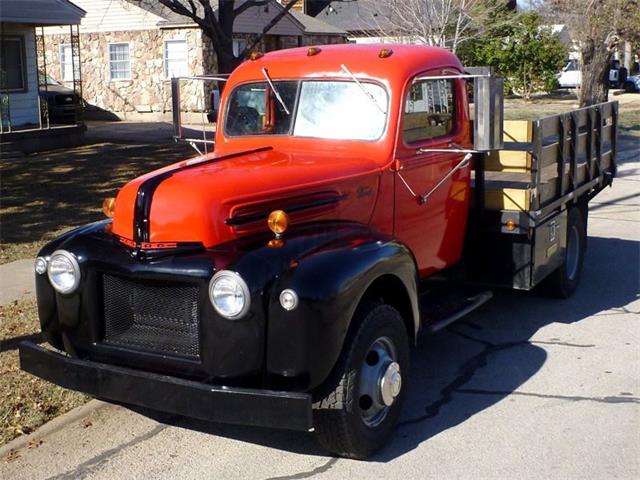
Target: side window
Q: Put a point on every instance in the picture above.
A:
(66, 63)
(13, 76)
(175, 59)
(429, 111)
(119, 61)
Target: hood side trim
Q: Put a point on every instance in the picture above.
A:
(254, 217)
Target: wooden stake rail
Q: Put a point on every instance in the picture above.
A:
(551, 161)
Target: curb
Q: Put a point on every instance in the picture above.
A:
(53, 425)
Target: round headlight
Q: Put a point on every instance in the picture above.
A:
(63, 271)
(229, 294)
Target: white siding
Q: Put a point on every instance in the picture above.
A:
(111, 16)
(23, 106)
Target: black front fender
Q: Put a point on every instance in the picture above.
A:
(303, 345)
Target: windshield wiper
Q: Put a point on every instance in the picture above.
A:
(275, 91)
(364, 90)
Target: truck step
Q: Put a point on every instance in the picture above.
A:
(440, 307)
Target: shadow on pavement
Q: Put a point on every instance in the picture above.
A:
(489, 351)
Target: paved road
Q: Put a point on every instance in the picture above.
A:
(16, 280)
(527, 387)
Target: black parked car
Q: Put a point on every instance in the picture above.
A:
(61, 101)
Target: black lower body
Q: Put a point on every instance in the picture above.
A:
(153, 312)
(194, 399)
(520, 258)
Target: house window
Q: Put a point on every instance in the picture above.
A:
(66, 63)
(239, 44)
(119, 63)
(175, 58)
(429, 110)
(13, 77)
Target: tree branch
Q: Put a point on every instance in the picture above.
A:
(248, 4)
(274, 21)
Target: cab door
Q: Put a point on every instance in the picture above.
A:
(434, 116)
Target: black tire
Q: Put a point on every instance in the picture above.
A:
(563, 282)
(340, 415)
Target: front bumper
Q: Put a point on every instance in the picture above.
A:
(265, 408)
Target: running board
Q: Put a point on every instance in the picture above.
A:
(449, 308)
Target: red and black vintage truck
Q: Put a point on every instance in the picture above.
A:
(351, 203)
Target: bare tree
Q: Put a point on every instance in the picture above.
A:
(596, 27)
(442, 23)
(216, 19)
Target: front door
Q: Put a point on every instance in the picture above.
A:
(434, 117)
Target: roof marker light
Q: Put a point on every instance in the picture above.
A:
(313, 51)
(256, 55)
(385, 53)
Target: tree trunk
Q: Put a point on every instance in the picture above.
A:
(224, 45)
(227, 63)
(596, 59)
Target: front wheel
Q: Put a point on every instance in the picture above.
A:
(365, 391)
(564, 280)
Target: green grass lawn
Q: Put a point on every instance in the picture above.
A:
(629, 110)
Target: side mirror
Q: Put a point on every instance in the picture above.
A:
(214, 102)
(215, 99)
(488, 95)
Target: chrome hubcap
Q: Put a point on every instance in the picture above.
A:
(380, 381)
(390, 384)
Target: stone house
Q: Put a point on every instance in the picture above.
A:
(130, 51)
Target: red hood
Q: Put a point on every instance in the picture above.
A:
(196, 197)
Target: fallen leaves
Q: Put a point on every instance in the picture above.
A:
(35, 443)
(12, 456)
(26, 402)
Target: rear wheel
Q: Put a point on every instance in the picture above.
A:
(365, 390)
(564, 280)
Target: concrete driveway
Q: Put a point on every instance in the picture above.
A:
(527, 387)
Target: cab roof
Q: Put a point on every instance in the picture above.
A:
(363, 60)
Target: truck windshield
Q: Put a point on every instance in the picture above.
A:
(320, 109)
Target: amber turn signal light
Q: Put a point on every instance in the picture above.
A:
(275, 243)
(109, 206)
(278, 222)
(511, 225)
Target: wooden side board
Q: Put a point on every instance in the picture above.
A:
(506, 160)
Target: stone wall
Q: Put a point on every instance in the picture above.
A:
(148, 91)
